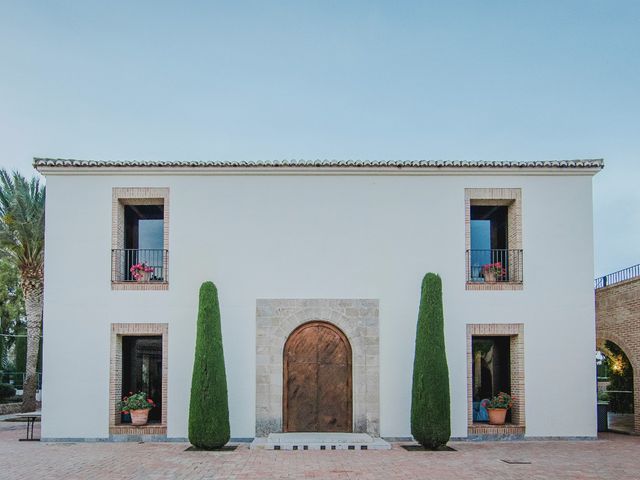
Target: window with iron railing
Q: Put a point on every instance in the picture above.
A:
(489, 258)
(139, 265)
(140, 255)
(494, 266)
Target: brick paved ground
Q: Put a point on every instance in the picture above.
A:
(612, 457)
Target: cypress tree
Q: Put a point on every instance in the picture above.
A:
(209, 408)
(430, 406)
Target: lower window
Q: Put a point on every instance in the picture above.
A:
(142, 372)
(495, 363)
(139, 363)
(491, 372)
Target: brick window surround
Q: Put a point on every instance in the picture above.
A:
(515, 331)
(138, 196)
(119, 330)
(508, 197)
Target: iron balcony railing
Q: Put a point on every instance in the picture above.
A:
(494, 266)
(617, 277)
(124, 259)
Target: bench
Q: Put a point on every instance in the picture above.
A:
(31, 420)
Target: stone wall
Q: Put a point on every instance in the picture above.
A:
(358, 320)
(9, 408)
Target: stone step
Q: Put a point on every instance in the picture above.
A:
(320, 441)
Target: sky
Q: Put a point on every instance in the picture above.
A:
(377, 80)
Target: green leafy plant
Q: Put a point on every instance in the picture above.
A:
(502, 400)
(430, 402)
(22, 243)
(139, 270)
(136, 401)
(620, 379)
(6, 391)
(208, 408)
(495, 269)
(11, 310)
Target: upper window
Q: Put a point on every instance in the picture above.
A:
(139, 256)
(494, 238)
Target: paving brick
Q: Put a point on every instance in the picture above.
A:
(612, 456)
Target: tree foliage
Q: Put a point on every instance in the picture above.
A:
(620, 379)
(11, 309)
(209, 409)
(22, 243)
(430, 403)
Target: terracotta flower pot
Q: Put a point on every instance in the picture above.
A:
(144, 276)
(497, 416)
(489, 276)
(139, 417)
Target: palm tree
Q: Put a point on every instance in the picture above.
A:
(22, 242)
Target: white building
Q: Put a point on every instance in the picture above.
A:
(344, 245)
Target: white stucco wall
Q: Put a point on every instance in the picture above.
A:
(319, 236)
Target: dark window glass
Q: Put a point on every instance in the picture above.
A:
(490, 227)
(488, 237)
(491, 367)
(142, 371)
(144, 239)
(143, 226)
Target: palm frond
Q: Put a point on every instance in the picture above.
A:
(22, 219)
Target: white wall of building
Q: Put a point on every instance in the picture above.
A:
(319, 236)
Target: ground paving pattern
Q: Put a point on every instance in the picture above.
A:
(611, 457)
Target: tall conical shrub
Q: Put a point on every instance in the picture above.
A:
(430, 407)
(209, 407)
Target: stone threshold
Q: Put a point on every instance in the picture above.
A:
(320, 441)
(141, 430)
(140, 286)
(484, 431)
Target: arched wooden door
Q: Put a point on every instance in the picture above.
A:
(317, 380)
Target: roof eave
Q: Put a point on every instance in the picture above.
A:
(48, 166)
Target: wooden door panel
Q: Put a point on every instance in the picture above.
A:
(317, 380)
(304, 346)
(334, 407)
(302, 385)
(331, 348)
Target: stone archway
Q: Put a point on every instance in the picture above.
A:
(317, 393)
(618, 320)
(357, 319)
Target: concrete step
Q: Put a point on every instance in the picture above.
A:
(320, 441)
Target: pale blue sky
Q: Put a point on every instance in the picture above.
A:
(460, 80)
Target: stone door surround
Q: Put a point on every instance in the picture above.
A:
(276, 319)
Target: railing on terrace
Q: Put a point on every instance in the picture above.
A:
(494, 266)
(617, 277)
(16, 379)
(122, 259)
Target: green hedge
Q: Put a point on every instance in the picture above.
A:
(6, 391)
(209, 408)
(430, 403)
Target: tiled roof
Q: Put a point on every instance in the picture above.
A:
(47, 163)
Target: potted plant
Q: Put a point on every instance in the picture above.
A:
(492, 272)
(498, 407)
(137, 405)
(141, 272)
